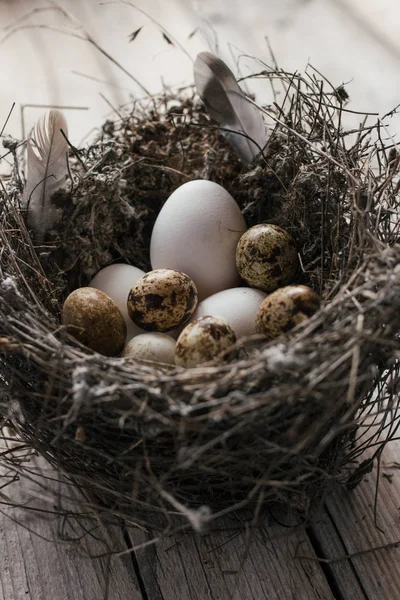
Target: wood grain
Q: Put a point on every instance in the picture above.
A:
(273, 562)
(360, 557)
(349, 528)
(223, 566)
(327, 543)
(37, 564)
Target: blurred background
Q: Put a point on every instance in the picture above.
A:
(52, 53)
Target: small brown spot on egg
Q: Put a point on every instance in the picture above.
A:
(276, 271)
(305, 300)
(273, 256)
(290, 324)
(219, 331)
(192, 298)
(215, 332)
(153, 301)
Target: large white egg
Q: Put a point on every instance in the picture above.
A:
(116, 281)
(238, 306)
(197, 232)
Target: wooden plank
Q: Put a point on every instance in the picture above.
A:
(342, 577)
(348, 528)
(223, 566)
(35, 564)
(217, 566)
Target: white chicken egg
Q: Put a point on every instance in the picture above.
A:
(157, 347)
(116, 281)
(238, 306)
(197, 232)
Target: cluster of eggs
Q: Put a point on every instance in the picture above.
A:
(192, 307)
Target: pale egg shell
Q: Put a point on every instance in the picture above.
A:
(197, 232)
(162, 299)
(157, 347)
(285, 308)
(95, 320)
(266, 257)
(204, 340)
(116, 281)
(238, 306)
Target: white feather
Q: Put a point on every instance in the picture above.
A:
(229, 106)
(47, 171)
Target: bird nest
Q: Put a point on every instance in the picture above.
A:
(284, 422)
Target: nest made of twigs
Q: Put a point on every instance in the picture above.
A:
(284, 423)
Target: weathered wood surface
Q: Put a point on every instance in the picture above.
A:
(229, 565)
(210, 567)
(367, 528)
(359, 560)
(36, 563)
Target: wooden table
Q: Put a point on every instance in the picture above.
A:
(43, 557)
(37, 561)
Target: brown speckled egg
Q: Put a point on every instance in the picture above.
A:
(266, 257)
(162, 299)
(285, 308)
(202, 341)
(95, 320)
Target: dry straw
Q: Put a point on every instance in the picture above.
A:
(284, 423)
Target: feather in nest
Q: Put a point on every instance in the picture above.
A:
(47, 171)
(229, 106)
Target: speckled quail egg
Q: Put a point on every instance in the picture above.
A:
(95, 320)
(266, 257)
(161, 300)
(157, 347)
(285, 308)
(204, 340)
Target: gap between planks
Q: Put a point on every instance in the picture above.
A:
(223, 566)
(359, 560)
(348, 528)
(279, 564)
(39, 560)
